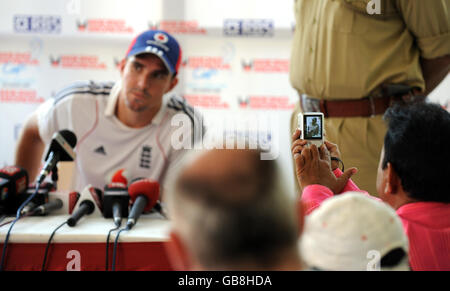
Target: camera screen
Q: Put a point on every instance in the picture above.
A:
(312, 127)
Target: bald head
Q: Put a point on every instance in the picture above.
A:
(231, 210)
(231, 177)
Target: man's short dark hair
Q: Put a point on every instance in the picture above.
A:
(417, 144)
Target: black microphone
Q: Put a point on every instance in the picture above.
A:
(48, 207)
(86, 207)
(115, 202)
(61, 149)
(144, 193)
(40, 198)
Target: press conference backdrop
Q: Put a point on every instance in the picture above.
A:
(235, 65)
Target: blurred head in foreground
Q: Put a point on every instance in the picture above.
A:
(231, 211)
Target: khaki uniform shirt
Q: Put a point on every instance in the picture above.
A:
(341, 52)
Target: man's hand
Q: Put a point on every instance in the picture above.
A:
(333, 151)
(313, 167)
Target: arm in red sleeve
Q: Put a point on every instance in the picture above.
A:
(314, 195)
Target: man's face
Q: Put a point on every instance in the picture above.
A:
(145, 80)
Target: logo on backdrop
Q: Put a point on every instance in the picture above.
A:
(266, 65)
(206, 101)
(18, 58)
(207, 76)
(249, 27)
(77, 62)
(216, 63)
(104, 26)
(178, 26)
(37, 24)
(265, 102)
(26, 96)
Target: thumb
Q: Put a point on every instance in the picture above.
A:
(343, 180)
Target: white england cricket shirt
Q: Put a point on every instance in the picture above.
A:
(105, 144)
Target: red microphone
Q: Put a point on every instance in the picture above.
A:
(144, 194)
(120, 177)
(13, 184)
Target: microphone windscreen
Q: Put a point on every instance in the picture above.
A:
(147, 187)
(69, 136)
(119, 177)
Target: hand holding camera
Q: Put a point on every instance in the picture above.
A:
(314, 165)
(333, 151)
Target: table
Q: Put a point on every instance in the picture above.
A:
(83, 247)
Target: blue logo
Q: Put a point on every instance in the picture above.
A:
(37, 24)
(204, 74)
(250, 27)
(12, 69)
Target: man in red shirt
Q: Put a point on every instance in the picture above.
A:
(412, 178)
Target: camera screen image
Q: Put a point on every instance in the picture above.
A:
(313, 127)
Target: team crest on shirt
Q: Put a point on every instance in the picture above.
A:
(161, 37)
(146, 157)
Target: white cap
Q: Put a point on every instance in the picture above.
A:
(352, 232)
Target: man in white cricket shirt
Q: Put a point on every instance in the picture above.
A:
(122, 125)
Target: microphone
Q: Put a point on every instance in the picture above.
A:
(40, 197)
(61, 149)
(86, 207)
(115, 202)
(120, 176)
(48, 207)
(144, 193)
(13, 183)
